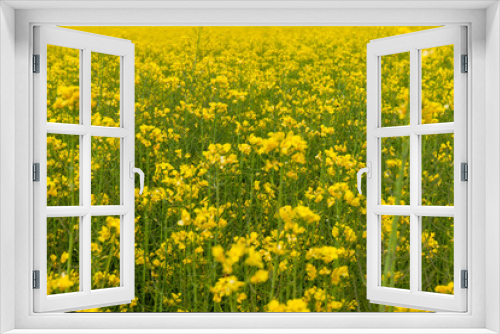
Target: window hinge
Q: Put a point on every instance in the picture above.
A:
(465, 64)
(465, 279)
(464, 172)
(36, 279)
(36, 172)
(36, 63)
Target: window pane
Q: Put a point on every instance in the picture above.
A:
(437, 84)
(395, 94)
(63, 85)
(395, 171)
(437, 169)
(395, 252)
(105, 171)
(63, 170)
(437, 254)
(276, 119)
(105, 249)
(63, 249)
(105, 89)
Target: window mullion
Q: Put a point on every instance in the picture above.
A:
(414, 171)
(421, 211)
(76, 129)
(86, 173)
(433, 129)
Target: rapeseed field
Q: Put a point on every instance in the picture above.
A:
(250, 139)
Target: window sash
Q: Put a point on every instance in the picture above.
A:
(413, 43)
(86, 297)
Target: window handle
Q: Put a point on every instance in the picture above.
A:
(134, 170)
(368, 171)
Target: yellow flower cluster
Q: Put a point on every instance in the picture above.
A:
(300, 213)
(447, 289)
(61, 283)
(293, 305)
(225, 286)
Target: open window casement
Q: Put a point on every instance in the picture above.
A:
(84, 105)
(405, 223)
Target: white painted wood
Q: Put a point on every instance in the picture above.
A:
(461, 155)
(85, 174)
(406, 210)
(257, 331)
(391, 131)
(86, 298)
(245, 4)
(110, 210)
(489, 167)
(434, 211)
(75, 129)
(396, 210)
(422, 129)
(127, 186)
(111, 132)
(472, 321)
(415, 175)
(67, 211)
(7, 167)
(433, 129)
(80, 211)
(413, 43)
(373, 263)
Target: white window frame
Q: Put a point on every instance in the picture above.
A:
(414, 43)
(85, 43)
(484, 101)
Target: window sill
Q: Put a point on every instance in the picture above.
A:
(250, 331)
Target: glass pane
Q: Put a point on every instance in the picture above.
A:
(105, 171)
(395, 78)
(437, 84)
(63, 170)
(396, 252)
(395, 171)
(437, 169)
(105, 89)
(437, 254)
(63, 85)
(105, 249)
(63, 259)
